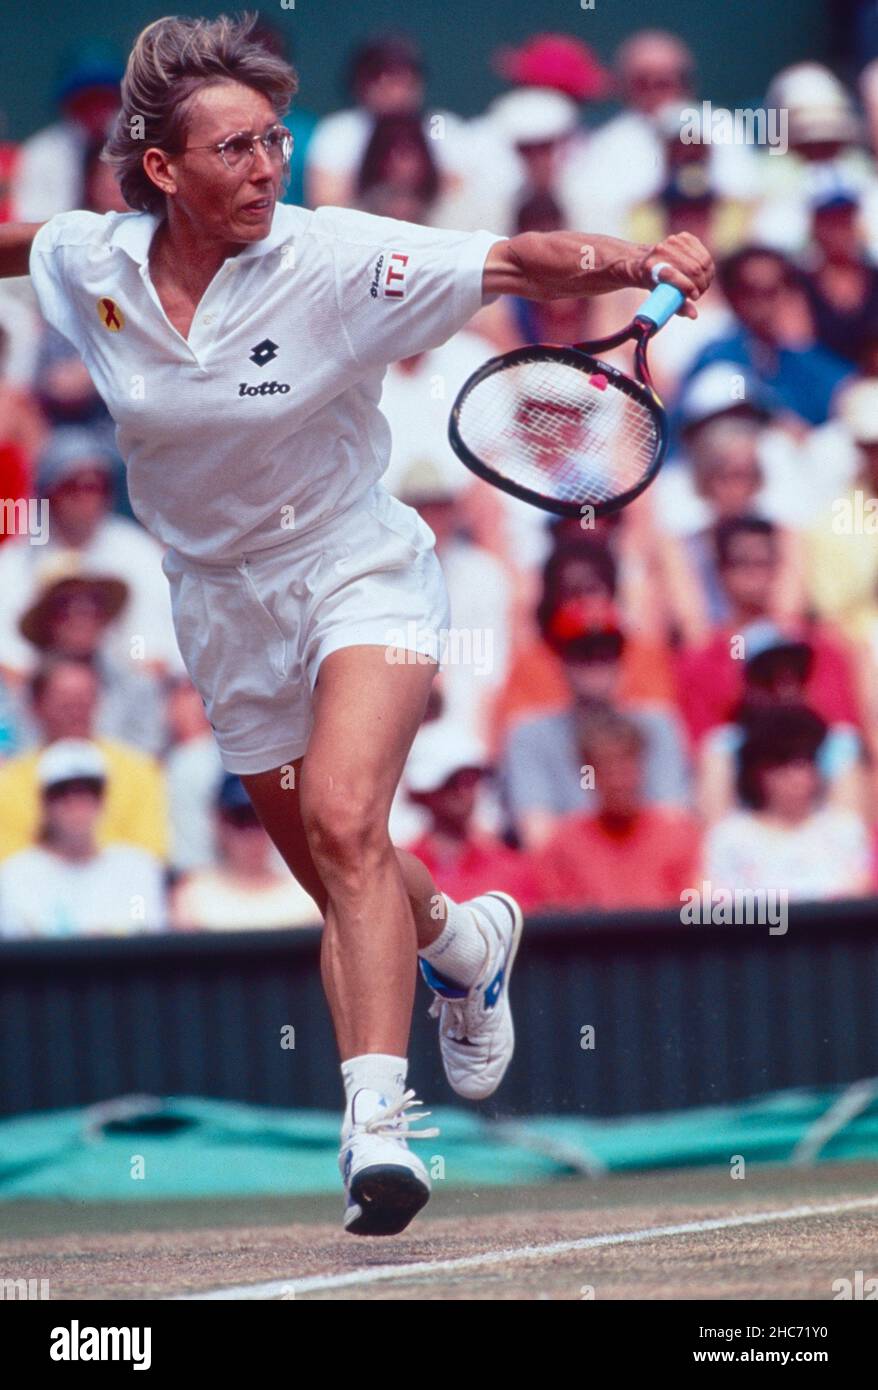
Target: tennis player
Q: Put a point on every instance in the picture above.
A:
(240, 346)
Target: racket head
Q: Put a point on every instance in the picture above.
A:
(560, 429)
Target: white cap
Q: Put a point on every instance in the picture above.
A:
(68, 758)
(806, 84)
(425, 479)
(533, 115)
(721, 387)
(818, 104)
(440, 749)
(858, 408)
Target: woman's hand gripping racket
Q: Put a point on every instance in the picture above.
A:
(558, 428)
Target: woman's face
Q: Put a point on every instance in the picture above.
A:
(227, 205)
(791, 790)
(72, 812)
(733, 478)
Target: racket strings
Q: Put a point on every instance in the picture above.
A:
(560, 431)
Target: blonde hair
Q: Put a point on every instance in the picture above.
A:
(172, 60)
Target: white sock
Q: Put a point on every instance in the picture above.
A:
(373, 1071)
(459, 952)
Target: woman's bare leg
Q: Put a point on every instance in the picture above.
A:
(275, 797)
(379, 903)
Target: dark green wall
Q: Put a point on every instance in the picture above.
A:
(739, 43)
(684, 1015)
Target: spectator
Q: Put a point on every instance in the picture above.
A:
(537, 126)
(64, 696)
(71, 615)
(73, 485)
(194, 772)
(628, 853)
(725, 390)
(67, 884)
(386, 79)
(623, 163)
(728, 479)
(476, 647)
(62, 384)
(513, 321)
(841, 548)
(774, 336)
(867, 666)
(552, 74)
(51, 164)
(579, 573)
(823, 141)
(11, 720)
(8, 162)
(399, 176)
(415, 399)
(557, 63)
(787, 837)
(21, 435)
(545, 769)
(443, 775)
(840, 280)
(245, 889)
(711, 676)
(688, 199)
(777, 668)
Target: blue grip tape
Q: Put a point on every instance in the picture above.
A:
(662, 304)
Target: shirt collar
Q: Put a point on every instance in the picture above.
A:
(134, 232)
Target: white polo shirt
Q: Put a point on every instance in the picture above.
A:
(266, 420)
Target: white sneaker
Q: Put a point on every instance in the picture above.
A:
(476, 1036)
(386, 1184)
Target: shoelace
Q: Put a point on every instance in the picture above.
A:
(392, 1122)
(455, 1026)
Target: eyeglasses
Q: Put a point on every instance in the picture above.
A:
(239, 150)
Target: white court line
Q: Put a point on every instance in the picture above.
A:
(375, 1274)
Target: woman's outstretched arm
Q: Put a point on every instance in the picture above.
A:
(555, 265)
(15, 244)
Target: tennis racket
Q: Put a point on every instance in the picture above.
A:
(563, 430)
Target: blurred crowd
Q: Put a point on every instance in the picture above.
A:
(683, 693)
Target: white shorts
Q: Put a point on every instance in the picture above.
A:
(253, 631)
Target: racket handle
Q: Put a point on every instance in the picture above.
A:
(662, 304)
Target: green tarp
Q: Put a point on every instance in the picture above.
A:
(139, 1148)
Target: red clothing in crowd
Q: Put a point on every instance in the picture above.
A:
(536, 683)
(15, 478)
(482, 862)
(646, 862)
(8, 161)
(711, 682)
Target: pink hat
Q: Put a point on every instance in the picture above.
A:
(558, 61)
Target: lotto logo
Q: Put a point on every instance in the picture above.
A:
(265, 388)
